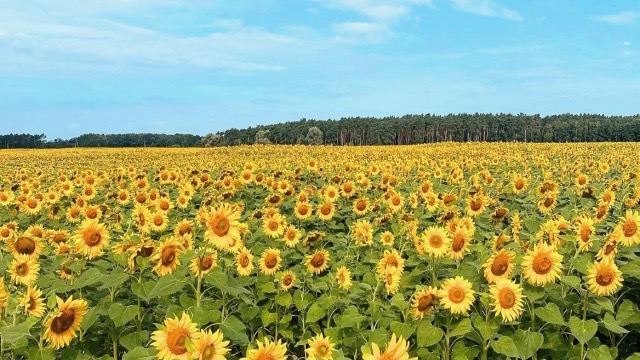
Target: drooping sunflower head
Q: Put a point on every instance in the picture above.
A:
(62, 325)
(604, 277)
(456, 295)
(201, 265)
(507, 299)
(172, 339)
(343, 277)
(167, 256)
(424, 302)
(317, 262)
(584, 229)
(460, 239)
(32, 302)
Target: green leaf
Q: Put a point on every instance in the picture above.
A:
(612, 325)
(635, 356)
(12, 334)
(551, 314)
(487, 329)
(631, 268)
(284, 299)
(601, 353)
(583, 330)
(504, 345)
(628, 313)
(402, 329)
(428, 334)
(121, 314)
(116, 278)
(166, 285)
(572, 281)
(142, 290)
(139, 353)
(605, 304)
(134, 340)
(44, 354)
(463, 327)
(527, 342)
(533, 293)
(315, 312)
(268, 318)
(89, 277)
(234, 330)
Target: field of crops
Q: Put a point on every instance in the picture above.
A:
(452, 251)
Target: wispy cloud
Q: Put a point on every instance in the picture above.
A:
(621, 18)
(486, 8)
(350, 32)
(379, 10)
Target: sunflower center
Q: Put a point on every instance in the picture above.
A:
(435, 241)
(500, 265)
(341, 278)
(63, 322)
(32, 303)
(287, 280)
(604, 277)
(629, 228)
(22, 269)
(323, 350)
(207, 263)
(475, 205)
(5, 232)
(396, 201)
(271, 261)
(265, 357)
(220, 226)
(392, 261)
(92, 238)
(176, 341)
(273, 225)
(542, 264)
(507, 298)
(58, 238)
(209, 352)
(585, 233)
(456, 295)
(361, 205)
(548, 202)
(25, 245)
(317, 260)
(32, 204)
(168, 255)
(244, 261)
(303, 210)
(519, 184)
(458, 242)
(158, 220)
(325, 209)
(425, 302)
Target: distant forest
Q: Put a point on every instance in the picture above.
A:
(408, 129)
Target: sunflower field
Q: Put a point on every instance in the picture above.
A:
(446, 251)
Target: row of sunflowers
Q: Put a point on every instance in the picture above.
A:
(447, 251)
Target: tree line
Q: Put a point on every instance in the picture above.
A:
(428, 128)
(391, 130)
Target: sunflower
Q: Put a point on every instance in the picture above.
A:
(274, 225)
(362, 233)
(387, 238)
(499, 266)
(547, 203)
(210, 346)
(183, 227)
(395, 202)
(73, 214)
(222, 226)
(460, 239)
(476, 204)
(32, 206)
(397, 349)
(61, 326)
(291, 236)
(507, 299)
(158, 221)
(320, 348)
(166, 256)
(456, 295)
(519, 184)
(432, 201)
(244, 261)
(390, 258)
(542, 265)
(201, 265)
(424, 302)
(348, 189)
(270, 261)
(361, 206)
(287, 280)
(90, 238)
(32, 302)
(436, 242)
(4, 296)
(584, 230)
(604, 278)
(171, 339)
(26, 244)
(608, 197)
(267, 350)
(391, 278)
(326, 211)
(317, 262)
(23, 270)
(343, 277)
(303, 210)
(629, 225)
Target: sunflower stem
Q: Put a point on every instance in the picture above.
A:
(434, 275)
(198, 290)
(586, 304)
(114, 340)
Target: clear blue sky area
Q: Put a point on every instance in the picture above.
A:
(70, 67)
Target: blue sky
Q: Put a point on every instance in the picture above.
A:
(70, 67)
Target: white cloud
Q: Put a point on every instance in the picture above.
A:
(627, 43)
(621, 18)
(487, 8)
(379, 10)
(350, 32)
